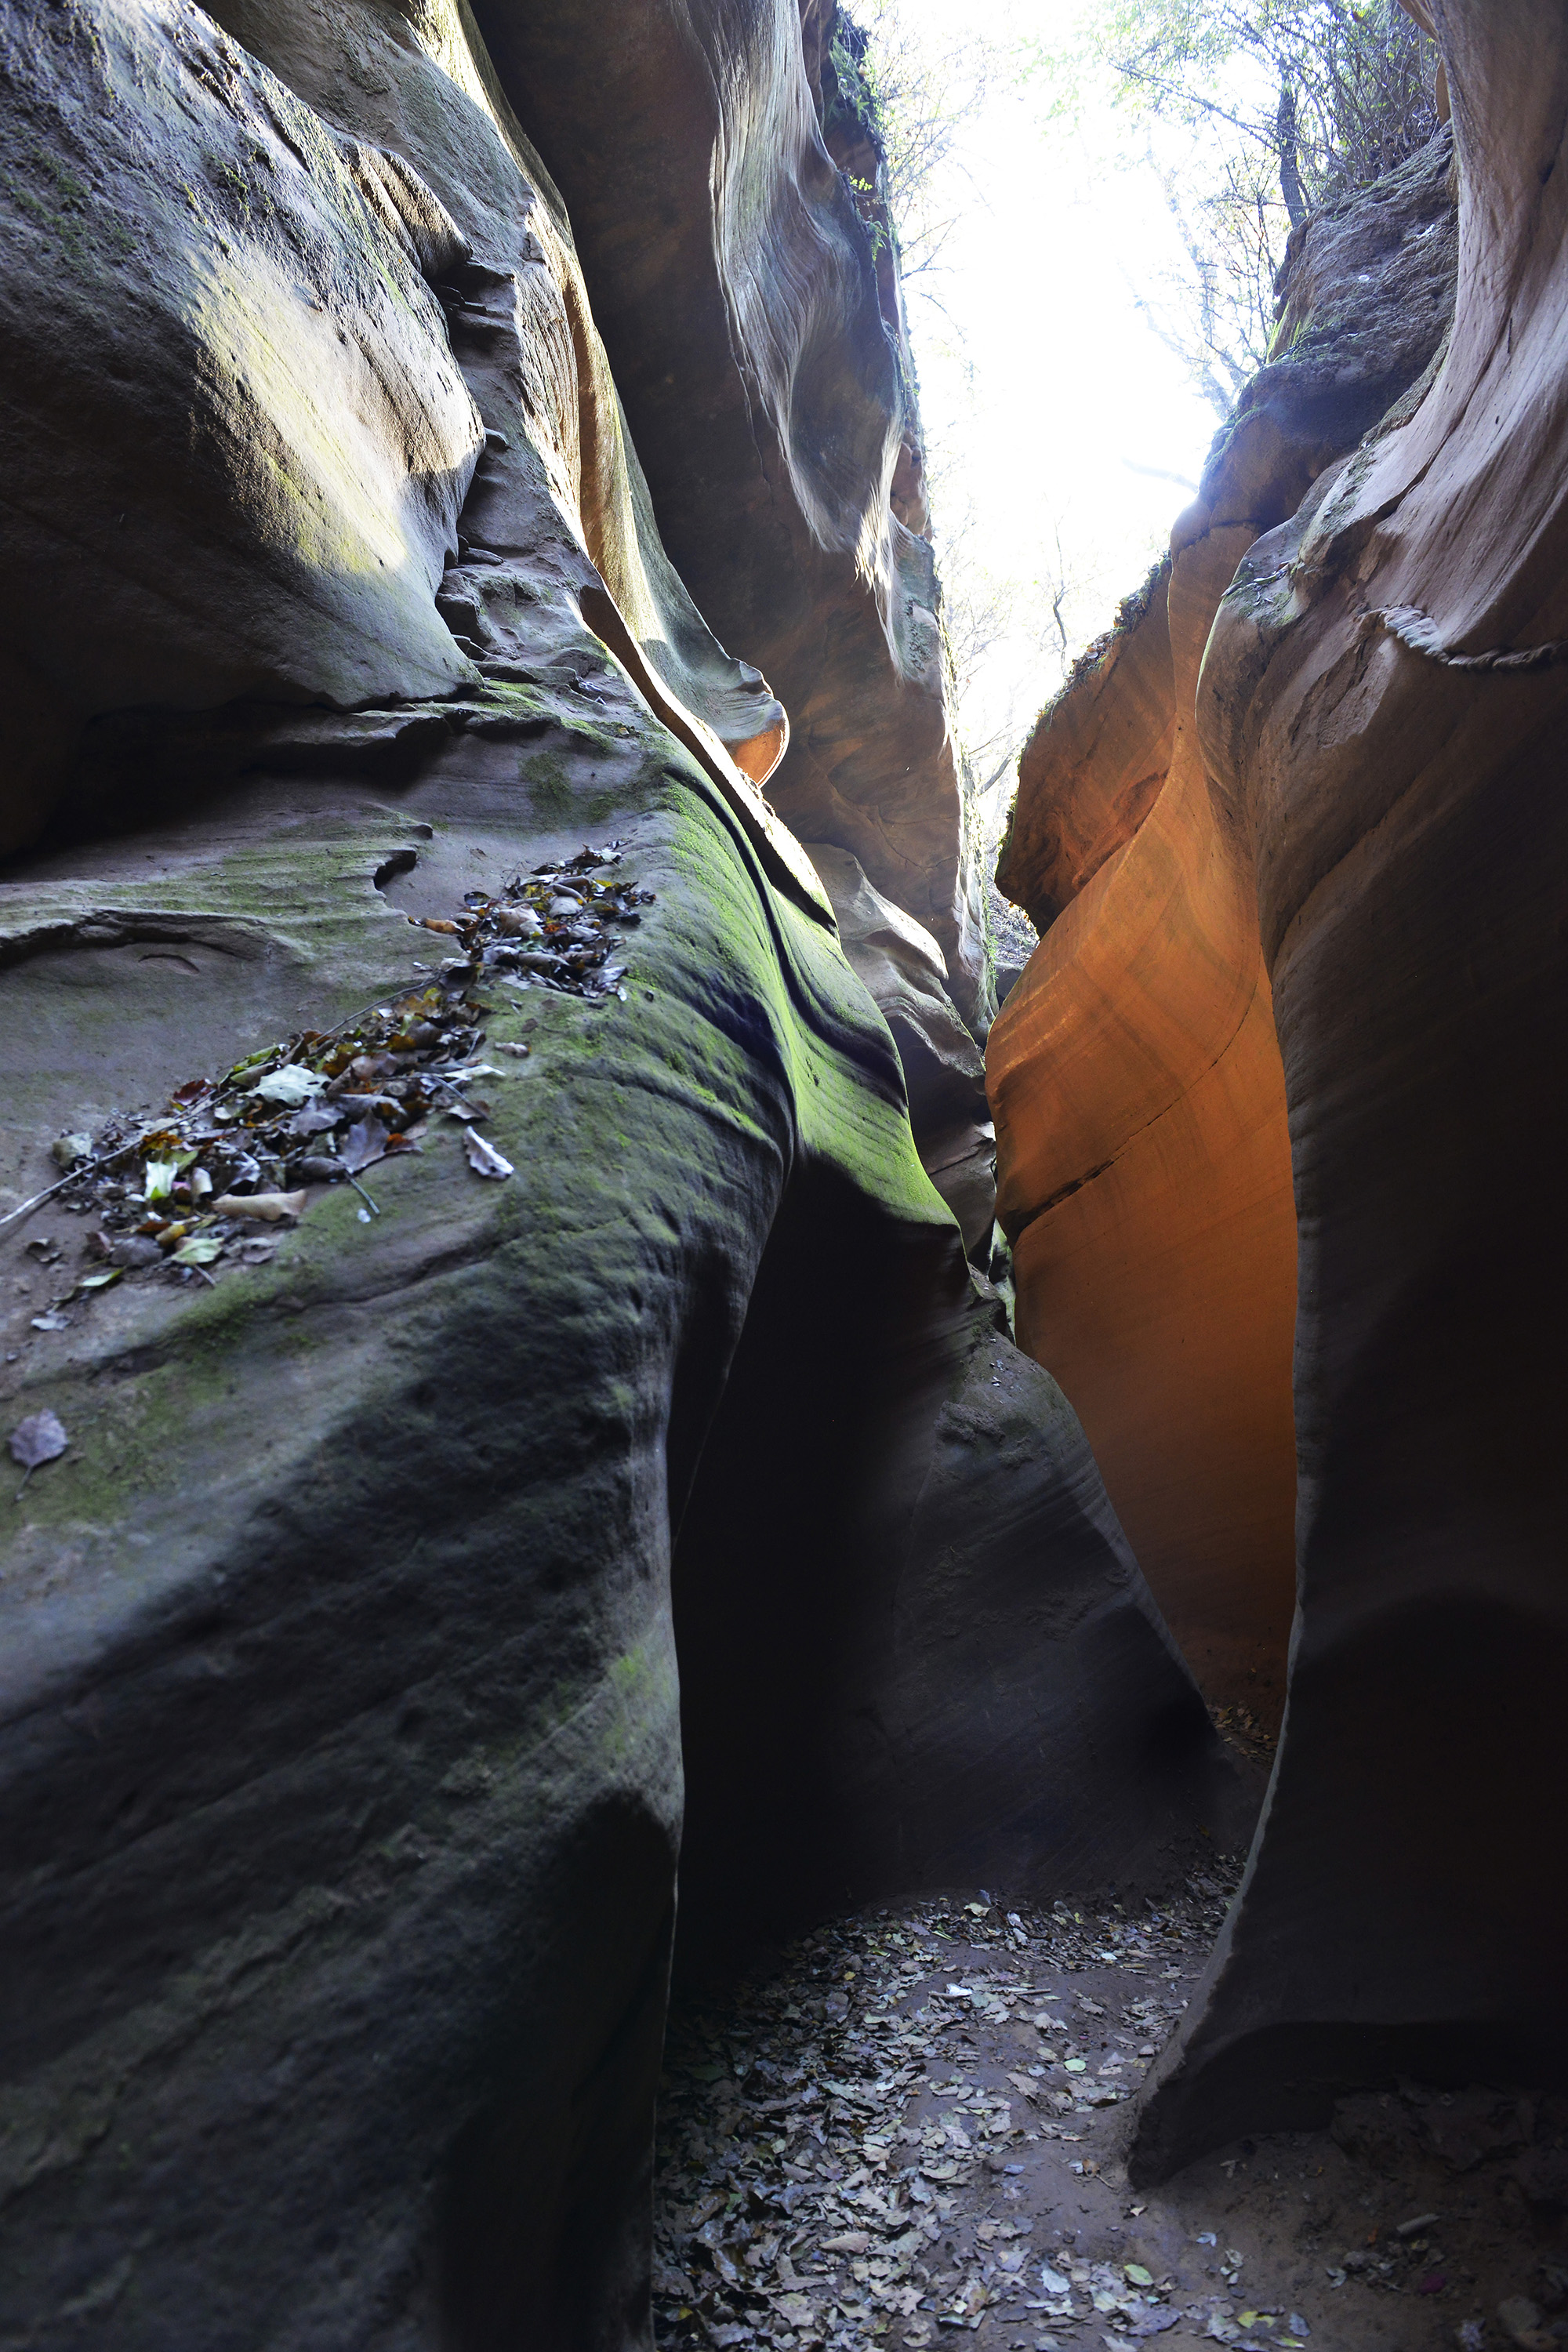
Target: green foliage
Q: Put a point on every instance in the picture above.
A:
(1340, 90)
(1292, 105)
(855, 72)
(909, 98)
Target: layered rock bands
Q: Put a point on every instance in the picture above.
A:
(410, 1594)
(1279, 1112)
(1139, 1098)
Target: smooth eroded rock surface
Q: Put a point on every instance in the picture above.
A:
(759, 347)
(944, 1071)
(1383, 705)
(236, 440)
(351, 1704)
(1144, 1157)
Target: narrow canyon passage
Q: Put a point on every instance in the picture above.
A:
(633, 1449)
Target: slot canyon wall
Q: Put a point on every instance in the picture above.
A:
(1280, 1107)
(431, 1562)
(449, 447)
(767, 375)
(1136, 1077)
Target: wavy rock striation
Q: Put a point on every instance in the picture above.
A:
(1384, 710)
(1134, 1073)
(398, 1599)
(753, 318)
(944, 1071)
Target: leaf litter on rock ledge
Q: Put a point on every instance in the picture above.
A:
(548, 929)
(318, 1108)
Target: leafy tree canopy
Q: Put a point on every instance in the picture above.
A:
(1344, 91)
(1293, 104)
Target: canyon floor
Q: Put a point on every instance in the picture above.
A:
(910, 2126)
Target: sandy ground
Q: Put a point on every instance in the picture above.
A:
(906, 2128)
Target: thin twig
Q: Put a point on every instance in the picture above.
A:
(1186, 97)
(84, 1169)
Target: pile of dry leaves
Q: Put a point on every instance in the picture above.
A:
(551, 925)
(912, 2127)
(229, 1159)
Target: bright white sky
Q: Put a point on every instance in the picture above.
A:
(1051, 406)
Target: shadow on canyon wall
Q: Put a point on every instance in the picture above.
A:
(1337, 777)
(419, 1582)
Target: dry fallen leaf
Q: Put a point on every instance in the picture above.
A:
(37, 1439)
(315, 1118)
(200, 1250)
(268, 1205)
(134, 1250)
(364, 1143)
(483, 1158)
(40, 1438)
(292, 1085)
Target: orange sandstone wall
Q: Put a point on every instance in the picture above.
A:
(1385, 705)
(1145, 1166)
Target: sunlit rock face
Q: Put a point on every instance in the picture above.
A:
(1094, 765)
(404, 1604)
(756, 332)
(1384, 707)
(906, 972)
(251, 314)
(1139, 1103)
(246, 471)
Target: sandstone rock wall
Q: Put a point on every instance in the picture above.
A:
(405, 1585)
(944, 1071)
(1358, 801)
(753, 321)
(1134, 1073)
(1384, 713)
